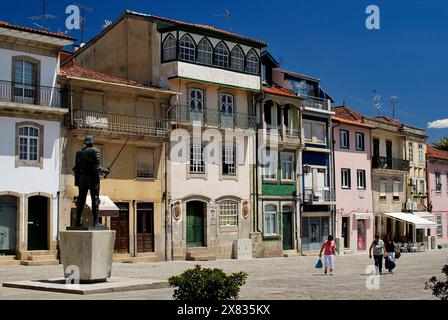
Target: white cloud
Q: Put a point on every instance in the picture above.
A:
(438, 124)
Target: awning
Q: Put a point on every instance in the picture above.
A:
(364, 215)
(107, 207)
(420, 223)
(425, 215)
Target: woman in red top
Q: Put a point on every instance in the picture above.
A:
(330, 250)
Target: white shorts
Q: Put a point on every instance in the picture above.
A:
(329, 261)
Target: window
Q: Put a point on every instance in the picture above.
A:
(205, 52)
(237, 59)
(228, 214)
(346, 179)
(422, 187)
(145, 163)
(270, 217)
(439, 226)
(196, 99)
(287, 165)
(396, 189)
(227, 103)
(252, 63)
(314, 131)
(263, 74)
(221, 56)
(229, 160)
(383, 184)
(438, 182)
(197, 165)
(344, 139)
(361, 175)
(29, 144)
(411, 151)
(360, 144)
(421, 155)
(270, 165)
(169, 48)
(24, 81)
(187, 49)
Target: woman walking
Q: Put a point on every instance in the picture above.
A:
(329, 248)
(378, 253)
(390, 249)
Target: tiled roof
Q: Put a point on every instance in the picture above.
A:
(280, 91)
(434, 153)
(388, 120)
(348, 113)
(200, 26)
(355, 123)
(61, 35)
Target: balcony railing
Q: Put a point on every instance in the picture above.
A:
(212, 117)
(390, 164)
(316, 103)
(319, 195)
(292, 133)
(119, 123)
(30, 94)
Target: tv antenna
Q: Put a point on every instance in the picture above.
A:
(393, 100)
(43, 17)
(228, 15)
(83, 19)
(106, 24)
(377, 101)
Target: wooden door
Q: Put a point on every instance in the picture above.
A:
(287, 229)
(376, 147)
(37, 223)
(195, 224)
(121, 226)
(8, 224)
(345, 231)
(145, 227)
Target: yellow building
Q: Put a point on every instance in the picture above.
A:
(119, 113)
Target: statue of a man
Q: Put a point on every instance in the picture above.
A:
(87, 178)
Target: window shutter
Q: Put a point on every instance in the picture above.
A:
(396, 192)
(383, 188)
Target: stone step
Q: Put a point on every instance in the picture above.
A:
(140, 259)
(197, 250)
(202, 257)
(43, 252)
(46, 257)
(7, 258)
(35, 263)
(5, 263)
(291, 254)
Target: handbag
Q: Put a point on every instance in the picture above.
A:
(397, 254)
(319, 264)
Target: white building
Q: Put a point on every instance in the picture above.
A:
(31, 109)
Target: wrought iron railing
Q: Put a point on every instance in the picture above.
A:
(314, 102)
(30, 94)
(390, 164)
(324, 195)
(212, 117)
(119, 123)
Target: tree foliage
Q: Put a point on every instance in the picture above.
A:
(439, 288)
(442, 144)
(200, 284)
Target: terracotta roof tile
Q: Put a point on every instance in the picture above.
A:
(280, 91)
(348, 113)
(388, 120)
(434, 153)
(61, 35)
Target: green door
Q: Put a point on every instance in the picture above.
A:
(195, 224)
(287, 230)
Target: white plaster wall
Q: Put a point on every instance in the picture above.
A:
(49, 67)
(27, 180)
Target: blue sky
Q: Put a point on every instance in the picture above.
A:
(407, 57)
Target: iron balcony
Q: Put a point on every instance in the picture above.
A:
(385, 163)
(319, 196)
(31, 94)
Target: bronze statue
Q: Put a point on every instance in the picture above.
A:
(87, 178)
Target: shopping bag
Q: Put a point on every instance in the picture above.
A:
(319, 264)
(390, 265)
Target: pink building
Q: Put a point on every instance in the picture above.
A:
(437, 168)
(352, 152)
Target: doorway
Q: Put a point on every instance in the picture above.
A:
(389, 154)
(145, 227)
(8, 224)
(196, 211)
(346, 231)
(362, 235)
(121, 226)
(287, 230)
(376, 147)
(37, 223)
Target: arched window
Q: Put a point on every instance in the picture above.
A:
(169, 48)
(252, 63)
(196, 99)
(228, 214)
(237, 59)
(187, 49)
(221, 56)
(227, 103)
(205, 52)
(29, 144)
(270, 219)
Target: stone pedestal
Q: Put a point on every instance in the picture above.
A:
(242, 249)
(90, 251)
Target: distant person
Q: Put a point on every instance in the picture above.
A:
(390, 249)
(329, 248)
(378, 253)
